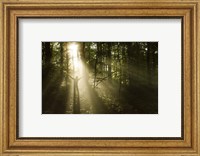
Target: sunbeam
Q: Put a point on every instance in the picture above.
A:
(74, 53)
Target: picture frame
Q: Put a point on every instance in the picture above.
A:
(11, 144)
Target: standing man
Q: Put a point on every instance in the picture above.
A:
(76, 103)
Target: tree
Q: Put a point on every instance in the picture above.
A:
(109, 53)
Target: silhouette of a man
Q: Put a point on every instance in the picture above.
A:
(76, 79)
(76, 104)
(76, 82)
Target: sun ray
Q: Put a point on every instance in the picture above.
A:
(75, 57)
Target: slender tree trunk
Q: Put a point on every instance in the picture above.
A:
(109, 54)
(48, 52)
(82, 50)
(129, 59)
(61, 59)
(67, 58)
(48, 58)
(102, 58)
(155, 58)
(95, 65)
(120, 71)
(149, 62)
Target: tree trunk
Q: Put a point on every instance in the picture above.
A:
(48, 52)
(129, 59)
(149, 62)
(61, 59)
(95, 64)
(48, 56)
(109, 54)
(120, 72)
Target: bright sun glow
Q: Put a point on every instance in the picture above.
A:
(73, 48)
(75, 56)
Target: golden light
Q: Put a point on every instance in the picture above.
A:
(75, 56)
(73, 49)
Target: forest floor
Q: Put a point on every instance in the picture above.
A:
(58, 98)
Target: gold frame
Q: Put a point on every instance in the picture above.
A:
(189, 11)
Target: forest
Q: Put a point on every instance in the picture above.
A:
(99, 77)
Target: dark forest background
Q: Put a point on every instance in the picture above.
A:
(99, 77)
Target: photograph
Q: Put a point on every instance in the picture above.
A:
(99, 77)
